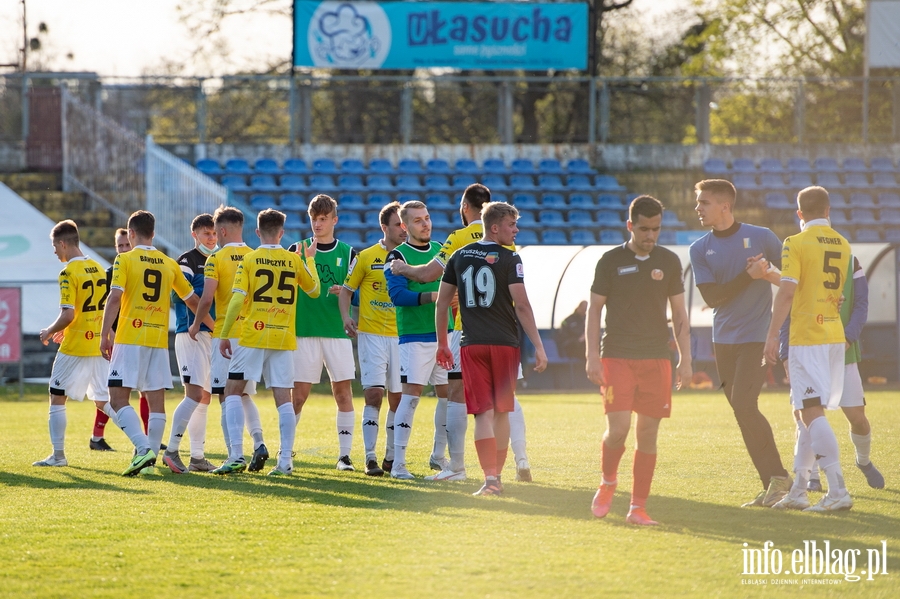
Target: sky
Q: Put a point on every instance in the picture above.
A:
(134, 37)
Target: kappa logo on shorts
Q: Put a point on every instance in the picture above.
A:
(809, 391)
(115, 374)
(216, 380)
(184, 368)
(56, 382)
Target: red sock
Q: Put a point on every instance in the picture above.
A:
(145, 412)
(644, 464)
(610, 458)
(501, 458)
(487, 455)
(100, 421)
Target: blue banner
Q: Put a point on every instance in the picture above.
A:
(462, 35)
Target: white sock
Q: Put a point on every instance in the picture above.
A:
(287, 428)
(814, 471)
(107, 409)
(156, 428)
(389, 436)
(251, 416)
(457, 423)
(130, 423)
(370, 430)
(863, 445)
(58, 430)
(439, 450)
(180, 419)
(403, 421)
(517, 432)
(224, 423)
(234, 415)
(345, 423)
(804, 459)
(197, 430)
(825, 446)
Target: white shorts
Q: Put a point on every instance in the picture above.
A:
(853, 396)
(77, 376)
(314, 352)
(379, 361)
(194, 358)
(219, 369)
(140, 367)
(250, 363)
(816, 371)
(454, 338)
(418, 364)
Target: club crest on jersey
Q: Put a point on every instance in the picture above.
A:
(492, 257)
(746, 243)
(657, 274)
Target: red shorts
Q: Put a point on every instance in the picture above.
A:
(641, 386)
(490, 373)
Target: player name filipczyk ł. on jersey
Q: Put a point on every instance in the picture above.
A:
(152, 260)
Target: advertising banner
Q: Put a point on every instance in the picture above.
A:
(461, 35)
(10, 325)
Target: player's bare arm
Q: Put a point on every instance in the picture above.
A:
(593, 367)
(344, 300)
(206, 302)
(781, 307)
(444, 298)
(525, 314)
(110, 312)
(193, 302)
(65, 318)
(682, 333)
(425, 273)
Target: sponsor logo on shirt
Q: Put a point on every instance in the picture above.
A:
(710, 252)
(259, 325)
(520, 271)
(89, 335)
(628, 270)
(137, 323)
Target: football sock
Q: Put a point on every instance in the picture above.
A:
(145, 412)
(825, 448)
(100, 420)
(180, 419)
(403, 425)
(609, 459)
(804, 459)
(487, 456)
(251, 417)
(287, 427)
(517, 431)
(439, 450)
(58, 430)
(130, 423)
(234, 415)
(863, 445)
(370, 430)
(502, 452)
(224, 423)
(155, 430)
(197, 430)
(108, 410)
(814, 471)
(389, 435)
(457, 422)
(345, 422)
(642, 472)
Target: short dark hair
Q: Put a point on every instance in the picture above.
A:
(322, 205)
(143, 223)
(270, 221)
(66, 231)
(477, 195)
(644, 205)
(228, 215)
(718, 187)
(202, 221)
(410, 205)
(813, 202)
(389, 210)
(495, 212)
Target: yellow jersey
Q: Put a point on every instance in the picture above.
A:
(376, 311)
(268, 277)
(145, 275)
(817, 260)
(83, 288)
(221, 268)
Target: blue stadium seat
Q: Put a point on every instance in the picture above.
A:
(581, 166)
(861, 200)
(629, 197)
(829, 180)
(611, 237)
(671, 220)
(350, 236)
(379, 183)
(521, 183)
(462, 181)
(293, 183)
(439, 201)
(324, 166)
(856, 181)
(667, 237)
(467, 166)
(494, 182)
(579, 183)
(526, 237)
(266, 166)
(743, 165)
(883, 180)
(351, 182)
(855, 165)
(381, 166)
(582, 237)
(550, 166)
(350, 201)
(264, 183)
(845, 232)
(525, 201)
(293, 201)
(891, 200)
(494, 166)
(826, 165)
(408, 197)
(500, 197)
(373, 236)
(745, 181)
(295, 166)
(891, 235)
(553, 200)
(582, 200)
(550, 182)
(554, 237)
(209, 167)
(771, 165)
(607, 183)
(522, 166)
(609, 219)
(890, 216)
(351, 220)
(408, 183)
(715, 166)
(293, 220)
(377, 200)
(838, 217)
(261, 201)
(440, 219)
(437, 183)
(883, 164)
(799, 165)
(440, 235)
(352, 166)
(772, 181)
(862, 216)
(371, 218)
(799, 180)
(321, 183)
(779, 201)
(526, 219)
(238, 166)
(868, 236)
(551, 218)
(438, 166)
(609, 201)
(410, 166)
(235, 183)
(837, 199)
(580, 218)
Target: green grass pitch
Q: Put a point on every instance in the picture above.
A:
(86, 531)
